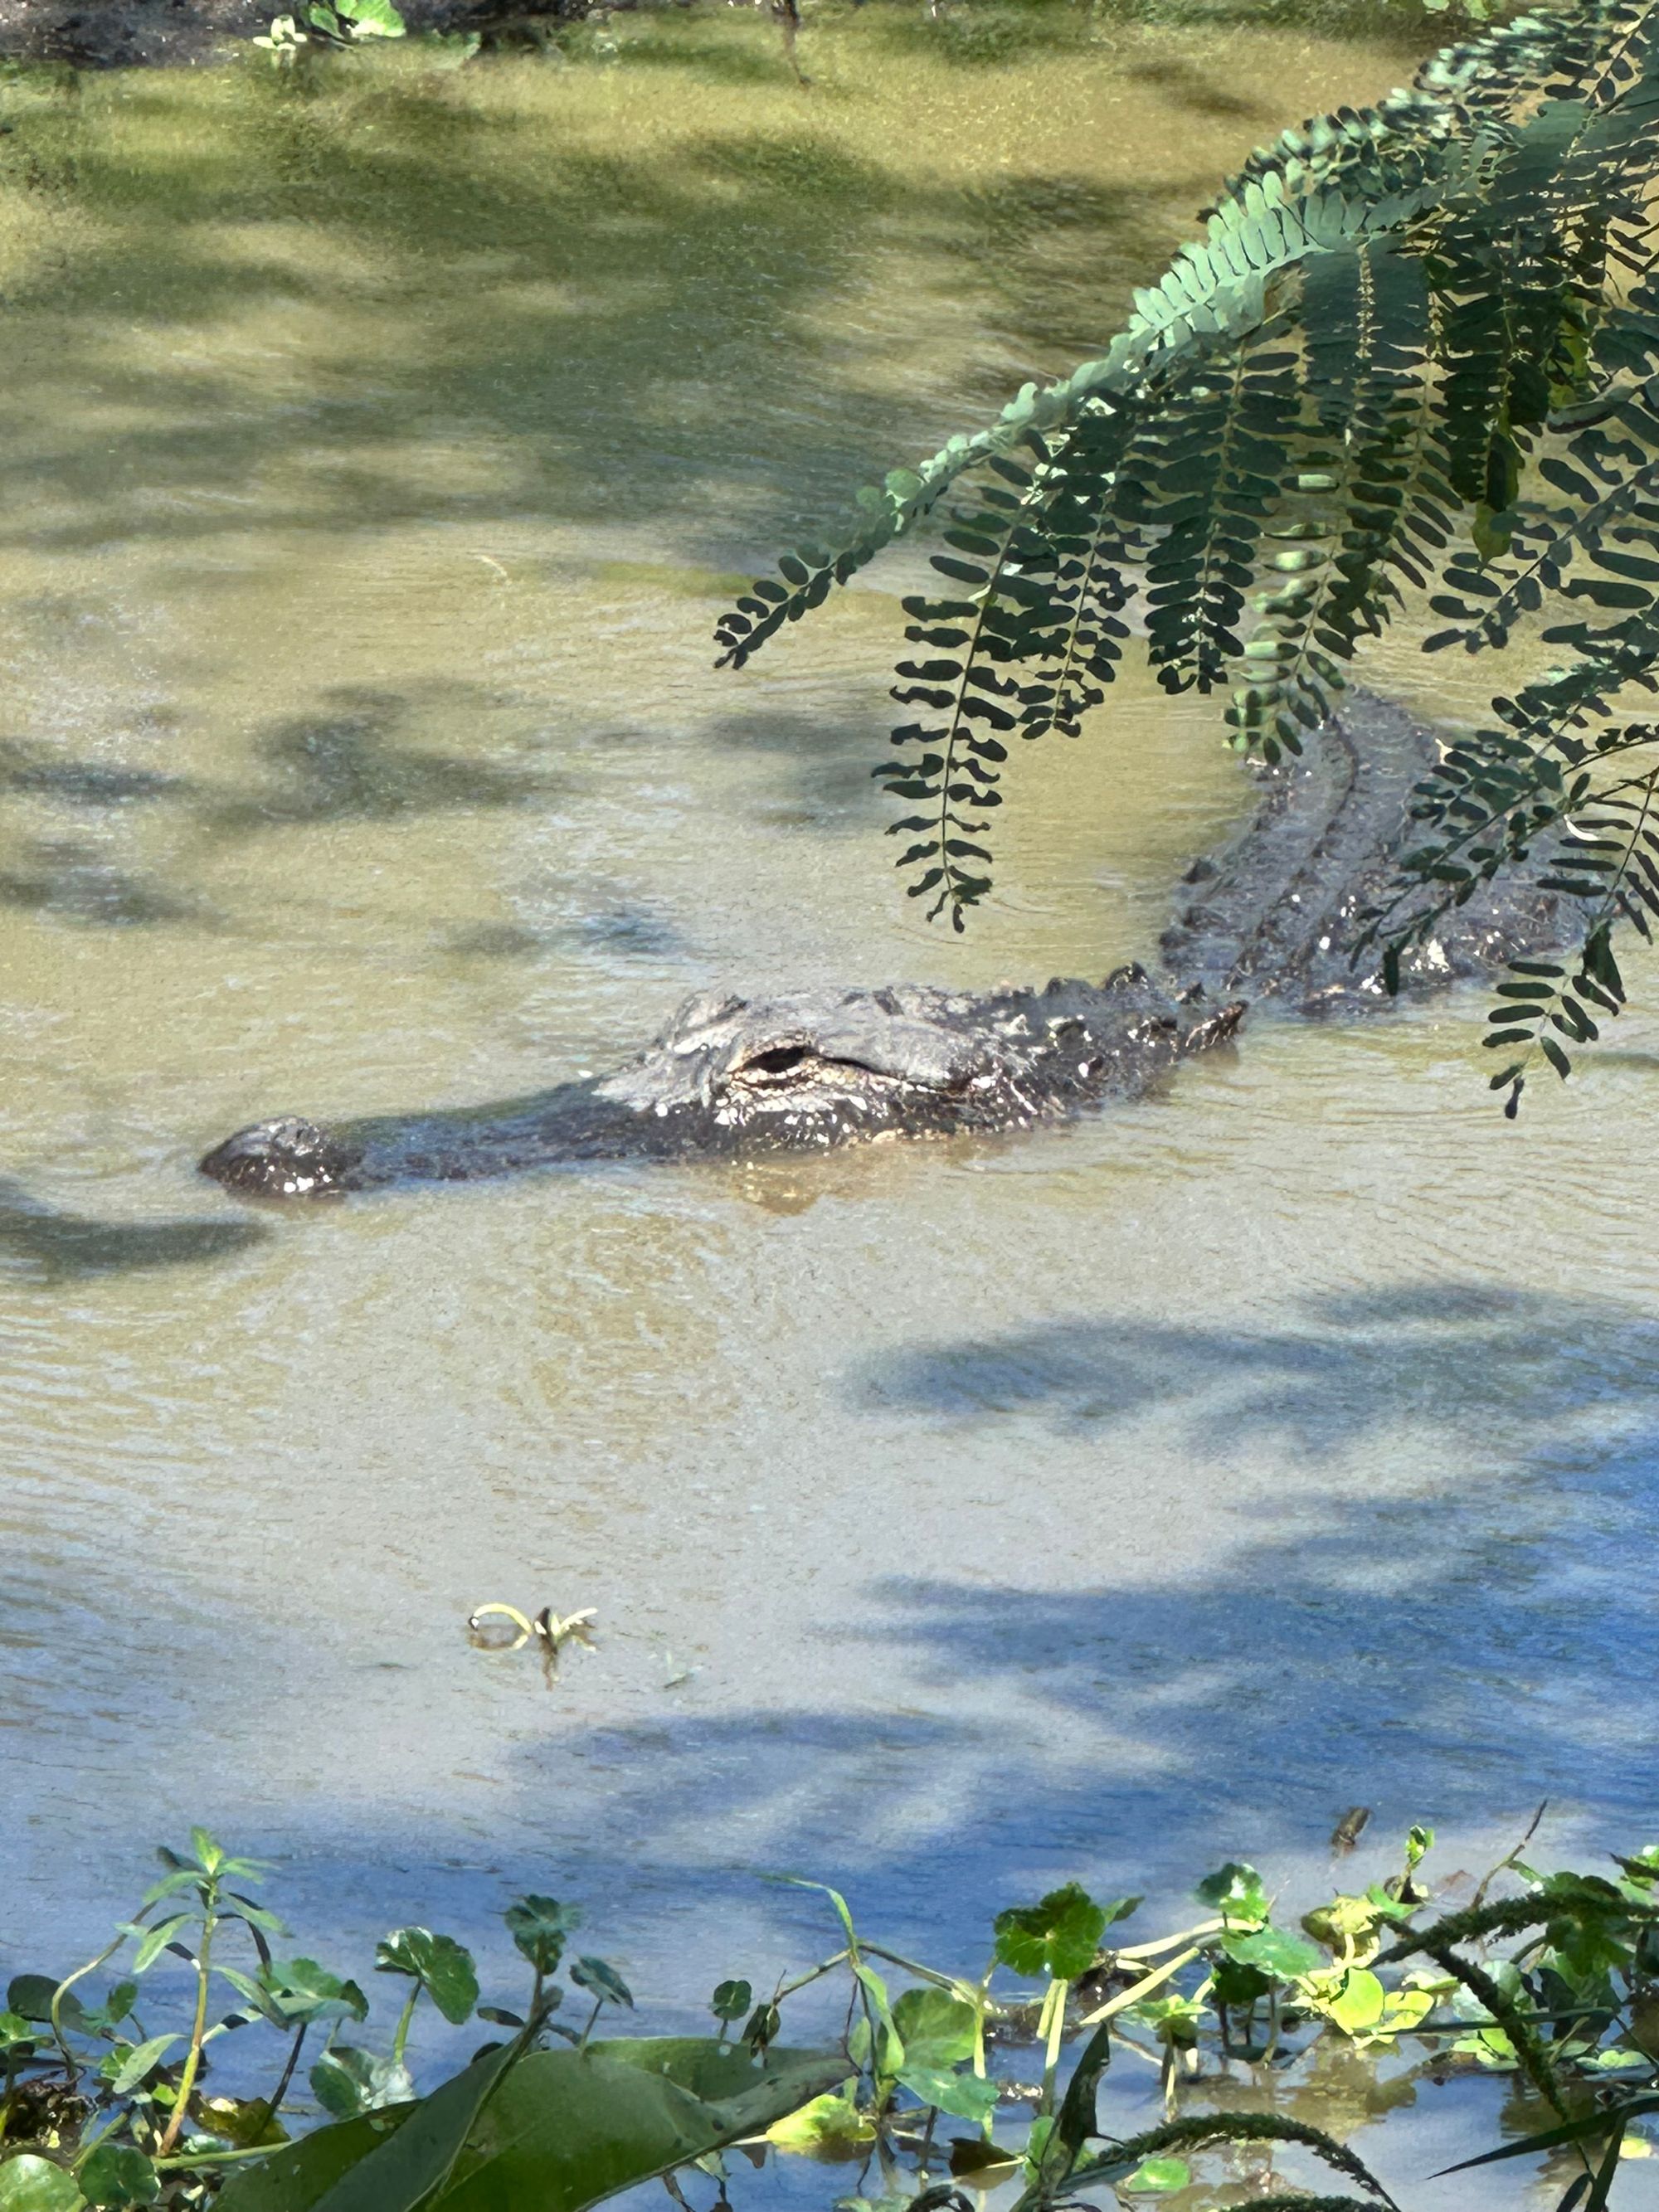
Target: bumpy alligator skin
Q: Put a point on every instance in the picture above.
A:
(1271, 917)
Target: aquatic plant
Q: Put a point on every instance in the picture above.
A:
(1414, 356)
(1555, 1983)
(331, 23)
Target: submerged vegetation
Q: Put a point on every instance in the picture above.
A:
(953, 2082)
(1413, 357)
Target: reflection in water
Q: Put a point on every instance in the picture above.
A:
(375, 462)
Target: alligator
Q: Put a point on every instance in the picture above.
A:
(1273, 916)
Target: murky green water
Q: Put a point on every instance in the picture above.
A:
(374, 460)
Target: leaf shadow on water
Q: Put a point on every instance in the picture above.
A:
(1451, 1653)
(76, 883)
(55, 1245)
(357, 754)
(1450, 1649)
(343, 762)
(626, 334)
(32, 771)
(559, 358)
(1184, 82)
(818, 769)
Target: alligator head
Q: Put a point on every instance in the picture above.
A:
(283, 1159)
(801, 1068)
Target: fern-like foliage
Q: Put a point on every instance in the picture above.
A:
(1416, 354)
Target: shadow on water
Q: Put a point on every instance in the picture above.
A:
(1031, 246)
(1337, 1367)
(981, 36)
(1451, 1656)
(56, 1246)
(1183, 81)
(622, 930)
(820, 764)
(260, 202)
(1449, 1651)
(343, 763)
(347, 760)
(612, 335)
(28, 771)
(77, 883)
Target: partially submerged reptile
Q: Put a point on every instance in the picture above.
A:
(1273, 916)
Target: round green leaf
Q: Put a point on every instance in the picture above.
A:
(442, 1966)
(539, 1926)
(31, 1994)
(1272, 1951)
(373, 19)
(831, 2123)
(963, 2096)
(1358, 2005)
(117, 2174)
(602, 1981)
(1234, 1891)
(28, 2183)
(1232, 1984)
(1059, 1936)
(349, 2082)
(937, 2029)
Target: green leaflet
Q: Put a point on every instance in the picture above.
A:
(1413, 351)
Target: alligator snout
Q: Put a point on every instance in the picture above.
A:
(284, 1158)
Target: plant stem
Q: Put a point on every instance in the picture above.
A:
(1052, 2028)
(62, 1992)
(1508, 1858)
(195, 2158)
(198, 2029)
(273, 2104)
(956, 1987)
(1171, 1942)
(404, 2019)
(981, 2003)
(12, 2063)
(1125, 1998)
(813, 1974)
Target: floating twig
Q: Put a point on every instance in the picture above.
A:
(549, 1630)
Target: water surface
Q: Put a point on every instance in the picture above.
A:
(376, 456)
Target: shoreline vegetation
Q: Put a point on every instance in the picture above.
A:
(194, 34)
(944, 2083)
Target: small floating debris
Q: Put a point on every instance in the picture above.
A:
(547, 1630)
(1349, 1829)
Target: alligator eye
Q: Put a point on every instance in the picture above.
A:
(781, 1059)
